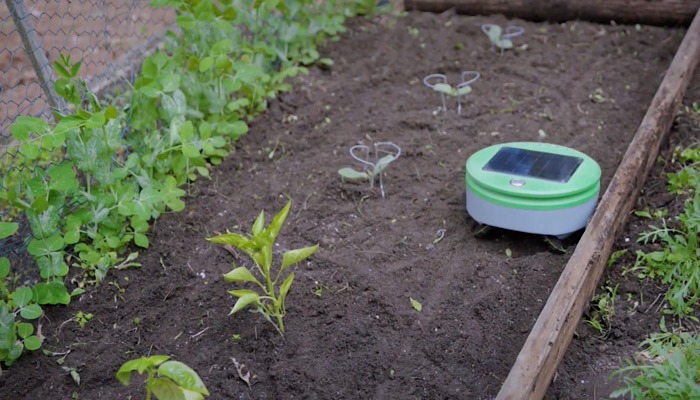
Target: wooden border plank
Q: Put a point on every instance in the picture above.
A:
(545, 346)
(652, 12)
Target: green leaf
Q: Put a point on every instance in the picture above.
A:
(415, 304)
(240, 274)
(41, 247)
(284, 288)
(62, 177)
(292, 257)
(24, 126)
(445, 88)
(494, 34)
(277, 222)
(235, 240)
(141, 240)
(4, 267)
(462, 90)
(505, 44)
(30, 150)
(52, 293)
(189, 150)
(383, 163)
(32, 343)
(8, 229)
(351, 174)
(259, 224)
(169, 82)
(245, 298)
(32, 311)
(183, 376)
(52, 265)
(22, 296)
(206, 63)
(165, 389)
(24, 329)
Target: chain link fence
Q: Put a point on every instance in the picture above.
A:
(110, 37)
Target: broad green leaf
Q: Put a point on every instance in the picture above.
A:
(245, 299)
(351, 174)
(30, 150)
(62, 177)
(7, 229)
(44, 223)
(24, 126)
(52, 265)
(32, 343)
(444, 88)
(24, 329)
(494, 34)
(382, 163)
(284, 289)
(139, 365)
(183, 376)
(4, 267)
(165, 389)
(42, 247)
(169, 82)
(189, 150)
(190, 395)
(240, 274)
(292, 257)
(462, 90)
(259, 224)
(51, 293)
(32, 311)
(23, 295)
(505, 44)
(416, 304)
(141, 240)
(206, 63)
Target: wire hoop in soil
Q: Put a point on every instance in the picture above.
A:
(438, 82)
(362, 154)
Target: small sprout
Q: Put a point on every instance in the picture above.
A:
(413, 31)
(137, 321)
(416, 304)
(438, 82)
(509, 253)
(236, 336)
(372, 169)
(598, 96)
(82, 319)
(502, 40)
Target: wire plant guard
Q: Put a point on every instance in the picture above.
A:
(374, 162)
(438, 82)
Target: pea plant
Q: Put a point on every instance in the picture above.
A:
(438, 82)
(166, 379)
(268, 298)
(500, 38)
(372, 168)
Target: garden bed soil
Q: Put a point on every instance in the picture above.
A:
(351, 331)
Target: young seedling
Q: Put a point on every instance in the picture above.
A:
(268, 299)
(167, 380)
(438, 82)
(499, 38)
(372, 169)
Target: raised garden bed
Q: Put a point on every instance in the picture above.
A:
(351, 330)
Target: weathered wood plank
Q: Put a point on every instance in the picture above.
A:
(545, 346)
(651, 12)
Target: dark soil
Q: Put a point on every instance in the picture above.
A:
(351, 332)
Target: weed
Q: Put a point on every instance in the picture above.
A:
(167, 380)
(603, 310)
(667, 368)
(268, 299)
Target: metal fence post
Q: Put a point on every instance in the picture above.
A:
(36, 54)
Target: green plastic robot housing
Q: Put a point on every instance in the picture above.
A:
(532, 187)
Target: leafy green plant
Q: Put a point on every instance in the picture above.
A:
(438, 82)
(500, 39)
(372, 168)
(269, 297)
(677, 263)
(16, 307)
(603, 310)
(166, 379)
(667, 368)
